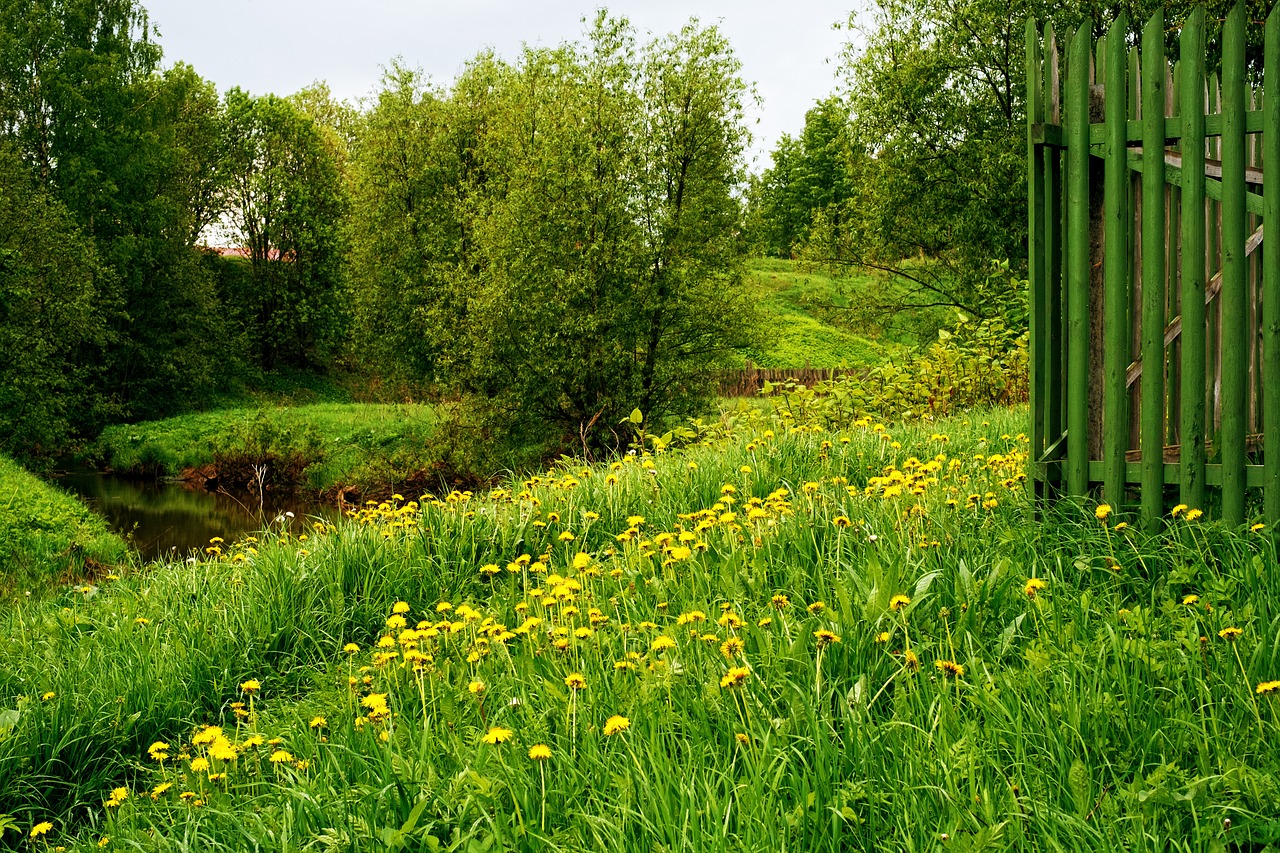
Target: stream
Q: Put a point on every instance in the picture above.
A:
(167, 519)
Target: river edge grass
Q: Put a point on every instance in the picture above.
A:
(323, 448)
(851, 662)
(48, 536)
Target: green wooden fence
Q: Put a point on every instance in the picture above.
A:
(1155, 270)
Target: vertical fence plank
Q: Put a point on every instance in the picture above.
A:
(1153, 272)
(1173, 263)
(1191, 49)
(1078, 273)
(1271, 272)
(1053, 223)
(1213, 147)
(1133, 320)
(1234, 334)
(1036, 258)
(1116, 213)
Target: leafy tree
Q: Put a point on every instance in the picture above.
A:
(411, 156)
(691, 144)
(286, 202)
(811, 173)
(49, 273)
(559, 235)
(936, 98)
(118, 145)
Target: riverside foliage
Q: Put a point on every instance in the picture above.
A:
(776, 637)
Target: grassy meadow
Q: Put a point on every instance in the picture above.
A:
(777, 637)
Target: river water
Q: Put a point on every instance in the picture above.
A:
(171, 519)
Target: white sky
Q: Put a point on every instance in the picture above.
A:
(788, 49)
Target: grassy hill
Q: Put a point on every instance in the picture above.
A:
(809, 318)
(46, 535)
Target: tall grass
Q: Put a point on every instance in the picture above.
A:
(818, 641)
(47, 535)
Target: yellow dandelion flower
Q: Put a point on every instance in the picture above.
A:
(199, 764)
(1230, 634)
(1033, 586)
(1193, 514)
(817, 607)
(882, 637)
(825, 637)
(1102, 512)
(540, 752)
(618, 723)
(661, 643)
(251, 686)
(735, 676)
(222, 750)
(950, 668)
(351, 648)
(281, 756)
(318, 722)
(41, 828)
(1190, 599)
(497, 735)
(159, 751)
(911, 660)
(1268, 687)
(400, 607)
(1178, 510)
(898, 602)
(575, 681)
(732, 647)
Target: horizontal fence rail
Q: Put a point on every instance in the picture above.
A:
(1154, 200)
(749, 381)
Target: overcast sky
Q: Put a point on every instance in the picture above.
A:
(788, 49)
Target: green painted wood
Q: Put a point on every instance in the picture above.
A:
(1253, 474)
(1234, 334)
(1035, 254)
(1173, 228)
(1253, 123)
(1195, 397)
(1153, 270)
(1271, 273)
(1116, 214)
(1077, 261)
(1055, 424)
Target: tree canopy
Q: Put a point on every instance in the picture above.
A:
(558, 234)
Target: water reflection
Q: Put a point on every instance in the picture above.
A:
(167, 519)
